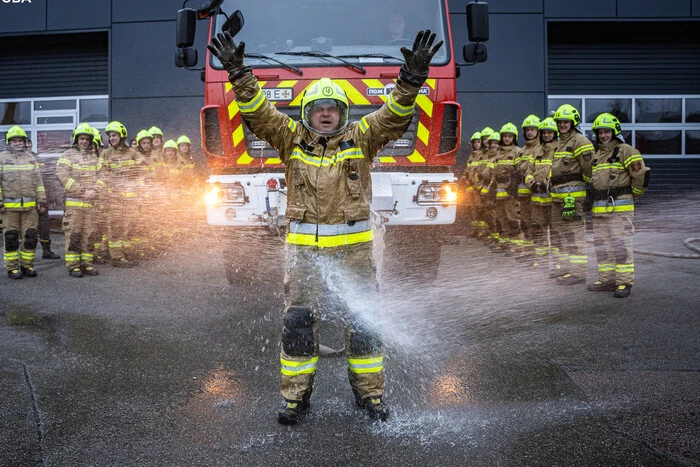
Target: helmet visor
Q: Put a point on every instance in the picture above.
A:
(326, 117)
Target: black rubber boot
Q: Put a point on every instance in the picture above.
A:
(599, 286)
(374, 406)
(622, 291)
(122, 263)
(27, 271)
(90, 271)
(293, 412)
(48, 254)
(570, 279)
(14, 274)
(75, 272)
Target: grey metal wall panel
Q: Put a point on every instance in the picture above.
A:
(515, 59)
(501, 6)
(78, 14)
(143, 61)
(22, 17)
(54, 65)
(695, 8)
(580, 9)
(147, 10)
(653, 8)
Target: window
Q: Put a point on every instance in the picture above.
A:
(94, 110)
(15, 113)
(659, 126)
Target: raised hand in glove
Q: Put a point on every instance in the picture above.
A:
(417, 61)
(231, 56)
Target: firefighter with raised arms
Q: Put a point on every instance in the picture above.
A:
(327, 169)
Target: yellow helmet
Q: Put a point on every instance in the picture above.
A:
(531, 121)
(567, 112)
(495, 136)
(141, 135)
(476, 135)
(487, 131)
(609, 121)
(15, 132)
(183, 139)
(324, 91)
(97, 136)
(549, 124)
(154, 130)
(83, 129)
(509, 128)
(170, 144)
(116, 127)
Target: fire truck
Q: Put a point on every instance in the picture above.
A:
(357, 44)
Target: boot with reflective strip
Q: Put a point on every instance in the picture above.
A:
(293, 412)
(622, 291)
(374, 406)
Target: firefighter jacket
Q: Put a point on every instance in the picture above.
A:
(470, 170)
(124, 170)
(571, 167)
(529, 153)
(504, 170)
(329, 187)
(21, 186)
(484, 170)
(80, 171)
(152, 162)
(537, 174)
(619, 177)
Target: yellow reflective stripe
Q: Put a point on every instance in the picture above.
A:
(292, 368)
(633, 158)
(540, 199)
(253, 105)
(623, 268)
(585, 178)
(11, 255)
(78, 204)
(72, 257)
(559, 155)
(64, 161)
(490, 165)
(574, 194)
(606, 267)
(69, 183)
(364, 125)
(505, 162)
(582, 149)
(330, 241)
(40, 189)
(366, 365)
(18, 168)
(316, 161)
(576, 259)
(292, 125)
(398, 109)
(638, 191)
(26, 204)
(615, 165)
(606, 209)
(423, 133)
(524, 191)
(26, 254)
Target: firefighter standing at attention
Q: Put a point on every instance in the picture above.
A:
(529, 152)
(79, 170)
(470, 195)
(327, 161)
(22, 197)
(571, 171)
(619, 177)
(506, 205)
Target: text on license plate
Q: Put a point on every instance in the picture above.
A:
(279, 94)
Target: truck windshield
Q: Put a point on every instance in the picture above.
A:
(366, 32)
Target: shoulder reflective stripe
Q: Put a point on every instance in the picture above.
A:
(582, 149)
(329, 229)
(366, 365)
(398, 109)
(330, 241)
(69, 183)
(292, 125)
(364, 125)
(633, 158)
(63, 161)
(253, 105)
(292, 368)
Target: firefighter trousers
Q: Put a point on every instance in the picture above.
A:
(79, 227)
(120, 217)
(540, 220)
(506, 219)
(338, 282)
(569, 240)
(613, 237)
(21, 235)
(526, 224)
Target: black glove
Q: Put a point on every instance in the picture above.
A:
(538, 187)
(231, 56)
(42, 205)
(415, 70)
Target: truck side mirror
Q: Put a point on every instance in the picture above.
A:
(234, 23)
(186, 26)
(475, 53)
(185, 57)
(478, 21)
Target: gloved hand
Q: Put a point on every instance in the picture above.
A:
(568, 209)
(231, 56)
(417, 61)
(41, 207)
(538, 187)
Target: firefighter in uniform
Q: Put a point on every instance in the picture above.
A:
(79, 171)
(327, 162)
(470, 196)
(479, 166)
(529, 152)
(571, 171)
(121, 163)
(619, 176)
(488, 193)
(537, 180)
(145, 226)
(157, 143)
(100, 219)
(506, 208)
(44, 220)
(22, 198)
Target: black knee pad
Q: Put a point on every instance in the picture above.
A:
(31, 238)
(11, 240)
(298, 332)
(75, 244)
(94, 238)
(620, 250)
(365, 341)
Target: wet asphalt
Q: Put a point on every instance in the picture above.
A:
(489, 364)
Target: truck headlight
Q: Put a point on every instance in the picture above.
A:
(432, 193)
(227, 194)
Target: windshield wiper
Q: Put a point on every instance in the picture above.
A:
(371, 56)
(313, 53)
(272, 59)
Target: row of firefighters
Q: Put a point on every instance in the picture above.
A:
(120, 204)
(531, 201)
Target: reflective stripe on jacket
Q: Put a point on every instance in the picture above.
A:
(21, 186)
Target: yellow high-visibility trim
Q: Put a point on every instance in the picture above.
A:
(616, 208)
(228, 86)
(245, 159)
(423, 133)
(633, 158)
(582, 149)
(292, 368)
(237, 135)
(254, 104)
(273, 160)
(353, 95)
(232, 110)
(416, 157)
(398, 109)
(387, 160)
(64, 161)
(364, 125)
(69, 183)
(430, 82)
(425, 104)
(330, 240)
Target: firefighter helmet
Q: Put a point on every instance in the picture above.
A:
(509, 128)
(476, 135)
(487, 131)
(97, 136)
(609, 121)
(170, 144)
(83, 129)
(531, 121)
(549, 124)
(15, 132)
(141, 135)
(495, 136)
(324, 91)
(116, 127)
(155, 131)
(183, 139)
(567, 112)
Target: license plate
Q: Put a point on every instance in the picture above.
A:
(279, 94)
